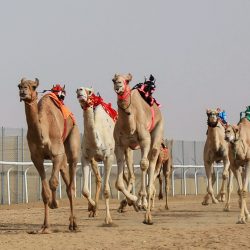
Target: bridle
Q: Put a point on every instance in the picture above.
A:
(124, 96)
(33, 98)
(212, 124)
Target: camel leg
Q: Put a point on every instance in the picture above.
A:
(144, 164)
(229, 191)
(167, 173)
(130, 180)
(153, 158)
(222, 194)
(72, 147)
(93, 209)
(85, 190)
(120, 157)
(57, 161)
(210, 181)
(108, 165)
(46, 193)
(244, 214)
(160, 195)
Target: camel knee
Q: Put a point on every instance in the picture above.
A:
(144, 164)
(119, 185)
(106, 193)
(85, 192)
(45, 196)
(154, 152)
(53, 183)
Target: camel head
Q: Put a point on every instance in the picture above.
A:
(83, 95)
(27, 90)
(212, 117)
(121, 83)
(231, 133)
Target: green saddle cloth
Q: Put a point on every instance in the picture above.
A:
(247, 113)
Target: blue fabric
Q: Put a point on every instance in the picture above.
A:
(223, 116)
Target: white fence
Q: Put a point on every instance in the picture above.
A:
(180, 173)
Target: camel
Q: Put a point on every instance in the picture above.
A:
(138, 126)
(98, 145)
(50, 136)
(239, 155)
(164, 163)
(215, 150)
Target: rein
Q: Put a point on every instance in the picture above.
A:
(124, 96)
(33, 100)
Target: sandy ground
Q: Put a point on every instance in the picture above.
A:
(188, 225)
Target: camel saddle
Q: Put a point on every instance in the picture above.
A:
(65, 112)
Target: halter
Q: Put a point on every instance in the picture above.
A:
(212, 124)
(33, 99)
(124, 96)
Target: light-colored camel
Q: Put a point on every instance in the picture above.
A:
(46, 125)
(164, 164)
(215, 150)
(239, 154)
(98, 145)
(138, 125)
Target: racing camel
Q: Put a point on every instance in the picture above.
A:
(139, 125)
(52, 135)
(239, 154)
(98, 146)
(215, 150)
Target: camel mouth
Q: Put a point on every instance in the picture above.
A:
(81, 97)
(22, 96)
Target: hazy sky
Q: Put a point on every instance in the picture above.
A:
(198, 50)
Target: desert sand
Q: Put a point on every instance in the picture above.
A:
(188, 225)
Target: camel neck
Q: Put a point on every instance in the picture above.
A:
(214, 134)
(31, 111)
(89, 124)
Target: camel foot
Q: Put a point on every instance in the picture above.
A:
(92, 210)
(148, 219)
(108, 220)
(226, 209)
(221, 197)
(160, 196)
(241, 221)
(43, 230)
(72, 224)
(122, 207)
(215, 201)
(166, 207)
(53, 204)
(205, 203)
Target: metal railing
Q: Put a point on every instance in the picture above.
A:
(183, 170)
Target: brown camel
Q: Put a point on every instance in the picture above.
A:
(164, 163)
(215, 150)
(52, 137)
(138, 125)
(239, 154)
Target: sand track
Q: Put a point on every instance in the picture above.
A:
(188, 225)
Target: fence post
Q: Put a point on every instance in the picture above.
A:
(23, 181)
(2, 172)
(8, 185)
(185, 182)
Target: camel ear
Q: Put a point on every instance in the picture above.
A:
(23, 79)
(129, 77)
(236, 128)
(63, 87)
(114, 78)
(37, 82)
(90, 91)
(208, 111)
